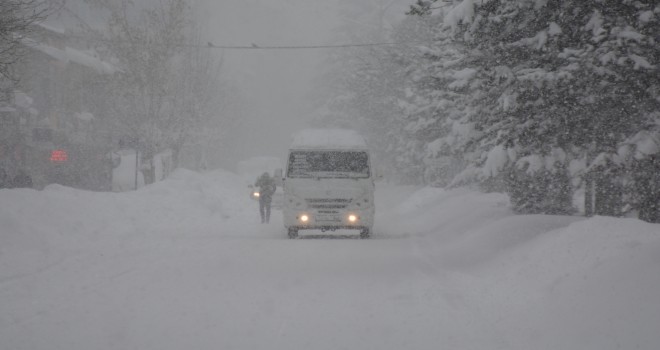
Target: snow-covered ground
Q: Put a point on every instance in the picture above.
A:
(184, 264)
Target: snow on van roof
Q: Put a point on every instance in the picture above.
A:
(328, 139)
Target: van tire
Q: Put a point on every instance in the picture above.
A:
(293, 232)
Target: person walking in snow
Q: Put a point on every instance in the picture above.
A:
(267, 187)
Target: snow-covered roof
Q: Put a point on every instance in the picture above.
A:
(51, 28)
(72, 55)
(328, 139)
(90, 61)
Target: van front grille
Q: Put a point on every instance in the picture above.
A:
(328, 203)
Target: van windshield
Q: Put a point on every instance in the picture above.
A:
(328, 164)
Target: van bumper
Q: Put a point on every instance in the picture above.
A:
(364, 219)
(316, 220)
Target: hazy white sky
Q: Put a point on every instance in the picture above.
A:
(276, 82)
(273, 81)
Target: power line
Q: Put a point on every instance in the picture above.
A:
(210, 45)
(297, 47)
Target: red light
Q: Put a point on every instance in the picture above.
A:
(59, 156)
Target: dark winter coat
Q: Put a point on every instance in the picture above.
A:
(266, 187)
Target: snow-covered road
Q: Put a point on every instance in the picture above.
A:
(183, 264)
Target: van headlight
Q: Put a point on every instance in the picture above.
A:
(352, 218)
(304, 218)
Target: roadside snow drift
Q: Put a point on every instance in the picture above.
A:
(184, 264)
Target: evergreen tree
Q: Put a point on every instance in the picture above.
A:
(559, 97)
(541, 97)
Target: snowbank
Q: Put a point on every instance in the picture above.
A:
(38, 228)
(184, 263)
(540, 281)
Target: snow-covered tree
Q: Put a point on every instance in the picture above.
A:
(364, 85)
(622, 57)
(440, 86)
(566, 81)
(165, 91)
(539, 97)
(16, 17)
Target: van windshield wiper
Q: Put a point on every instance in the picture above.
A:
(346, 174)
(330, 174)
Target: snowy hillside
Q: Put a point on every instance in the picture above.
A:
(184, 264)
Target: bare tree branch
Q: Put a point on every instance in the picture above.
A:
(16, 19)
